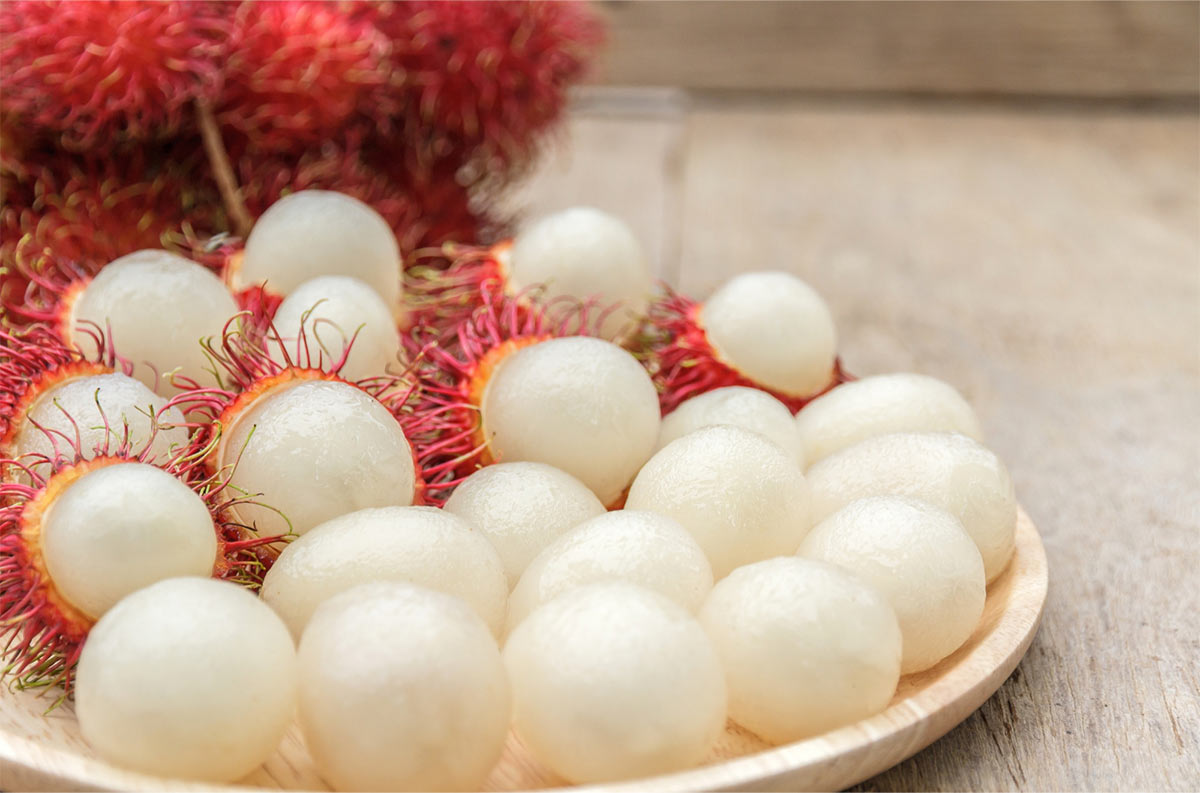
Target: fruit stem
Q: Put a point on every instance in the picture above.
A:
(222, 169)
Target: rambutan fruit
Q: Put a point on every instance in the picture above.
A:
(304, 440)
(520, 384)
(57, 404)
(77, 538)
(485, 80)
(153, 306)
(765, 330)
(298, 72)
(580, 253)
(101, 73)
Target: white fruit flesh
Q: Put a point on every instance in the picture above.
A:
(154, 308)
(920, 558)
(774, 329)
(191, 678)
(583, 405)
(738, 406)
(741, 496)
(85, 405)
(314, 450)
(584, 253)
(402, 688)
(644, 548)
(120, 528)
(521, 508)
(806, 647)
(947, 470)
(421, 545)
(320, 232)
(613, 681)
(320, 319)
(880, 405)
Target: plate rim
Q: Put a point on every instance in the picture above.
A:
(897, 733)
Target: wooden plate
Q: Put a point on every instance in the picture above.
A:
(40, 751)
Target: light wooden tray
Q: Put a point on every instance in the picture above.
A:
(40, 751)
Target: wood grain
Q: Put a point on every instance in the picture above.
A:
(1096, 49)
(40, 752)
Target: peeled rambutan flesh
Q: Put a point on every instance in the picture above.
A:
(155, 308)
(75, 541)
(103, 72)
(766, 330)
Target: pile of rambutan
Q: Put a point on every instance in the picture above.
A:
(287, 428)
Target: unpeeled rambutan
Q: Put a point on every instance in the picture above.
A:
(99, 73)
(484, 80)
(300, 71)
(78, 537)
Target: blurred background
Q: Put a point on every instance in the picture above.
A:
(1004, 195)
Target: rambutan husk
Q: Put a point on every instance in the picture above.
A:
(482, 82)
(41, 633)
(246, 372)
(102, 73)
(675, 349)
(452, 371)
(444, 286)
(37, 360)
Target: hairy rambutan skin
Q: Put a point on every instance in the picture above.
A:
(104, 72)
(41, 633)
(485, 79)
(300, 71)
(453, 369)
(683, 363)
(444, 286)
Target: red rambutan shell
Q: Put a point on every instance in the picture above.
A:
(299, 71)
(683, 363)
(103, 72)
(41, 633)
(444, 286)
(486, 78)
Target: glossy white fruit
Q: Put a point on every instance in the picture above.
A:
(613, 681)
(806, 647)
(122, 527)
(740, 495)
(313, 450)
(154, 308)
(584, 253)
(748, 408)
(774, 329)
(95, 410)
(880, 405)
(948, 470)
(319, 320)
(644, 548)
(320, 232)
(521, 508)
(581, 404)
(401, 688)
(191, 678)
(420, 545)
(920, 558)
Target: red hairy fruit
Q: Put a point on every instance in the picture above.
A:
(683, 363)
(299, 71)
(41, 632)
(104, 72)
(486, 79)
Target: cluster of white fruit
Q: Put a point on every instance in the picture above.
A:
(779, 571)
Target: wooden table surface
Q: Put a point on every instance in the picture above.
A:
(1044, 259)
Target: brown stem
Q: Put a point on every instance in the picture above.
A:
(222, 169)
